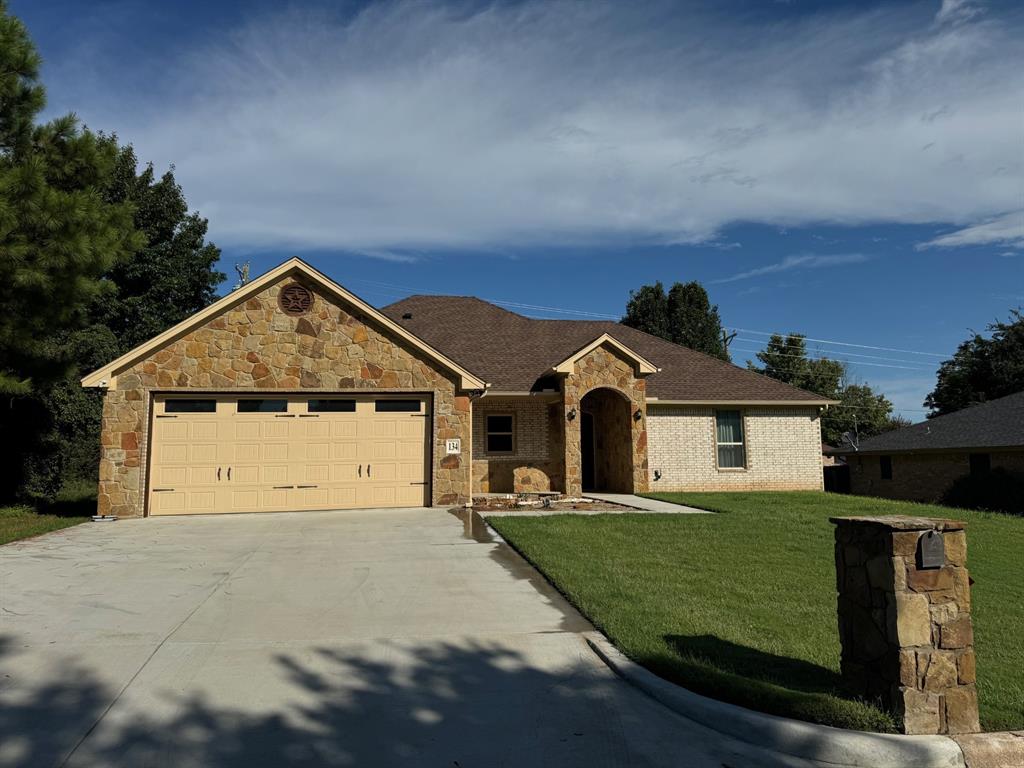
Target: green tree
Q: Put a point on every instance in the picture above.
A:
(981, 368)
(59, 236)
(860, 411)
(173, 275)
(684, 315)
(785, 359)
(170, 278)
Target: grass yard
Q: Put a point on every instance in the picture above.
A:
(741, 605)
(73, 506)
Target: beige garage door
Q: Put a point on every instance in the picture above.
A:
(272, 454)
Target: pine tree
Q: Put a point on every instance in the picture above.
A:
(684, 315)
(58, 234)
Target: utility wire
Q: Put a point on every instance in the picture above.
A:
(604, 316)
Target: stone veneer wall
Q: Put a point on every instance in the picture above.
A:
(533, 466)
(783, 445)
(254, 347)
(602, 367)
(906, 631)
(920, 476)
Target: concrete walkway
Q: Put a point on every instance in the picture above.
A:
(364, 638)
(646, 505)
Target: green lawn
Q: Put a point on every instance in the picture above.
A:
(741, 605)
(73, 506)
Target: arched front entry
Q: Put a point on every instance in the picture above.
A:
(606, 441)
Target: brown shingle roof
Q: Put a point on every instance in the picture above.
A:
(995, 424)
(512, 352)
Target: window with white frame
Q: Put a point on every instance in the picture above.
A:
(501, 433)
(729, 437)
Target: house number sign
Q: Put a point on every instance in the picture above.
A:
(453, 446)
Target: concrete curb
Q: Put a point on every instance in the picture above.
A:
(1001, 749)
(836, 746)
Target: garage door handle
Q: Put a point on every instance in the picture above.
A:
(218, 474)
(360, 470)
(307, 486)
(229, 473)
(367, 470)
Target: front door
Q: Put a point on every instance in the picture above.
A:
(587, 450)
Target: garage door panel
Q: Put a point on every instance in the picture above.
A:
(317, 473)
(360, 458)
(318, 451)
(202, 475)
(202, 452)
(347, 451)
(343, 498)
(345, 428)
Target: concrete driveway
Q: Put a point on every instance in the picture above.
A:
(371, 638)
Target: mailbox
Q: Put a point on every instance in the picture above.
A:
(931, 550)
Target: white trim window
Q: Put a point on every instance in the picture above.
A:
(732, 453)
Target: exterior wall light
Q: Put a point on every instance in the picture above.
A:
(571, 414)
(638, 415)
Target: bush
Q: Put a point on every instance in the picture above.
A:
(997, 490)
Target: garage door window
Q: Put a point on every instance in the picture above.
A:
(190, 406)
(262, 406)
(397, 406)
(332, 406)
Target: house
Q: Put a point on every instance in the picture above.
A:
(918, 463)
(292, 393)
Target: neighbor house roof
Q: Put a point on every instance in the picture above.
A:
(514, 353)
(995, 424)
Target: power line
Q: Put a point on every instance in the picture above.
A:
(846, 343)
(604, 316)
(852, 362)
(842, 352)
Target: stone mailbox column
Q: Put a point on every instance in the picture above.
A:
(905, 619)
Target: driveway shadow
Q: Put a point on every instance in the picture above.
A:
(437, 704)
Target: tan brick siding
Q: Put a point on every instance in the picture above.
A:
(783, 446)
(920, 476)
(532, 467)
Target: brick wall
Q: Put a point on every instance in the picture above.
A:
(920, 476)
(533, 466)
(783, 446)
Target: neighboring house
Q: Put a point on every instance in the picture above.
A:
(292, 393)
(918, 463)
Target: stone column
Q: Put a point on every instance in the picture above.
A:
(905, 619)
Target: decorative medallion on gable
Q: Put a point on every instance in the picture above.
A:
(295, 299)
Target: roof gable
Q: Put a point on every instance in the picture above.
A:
(640, 363)
(103, 377)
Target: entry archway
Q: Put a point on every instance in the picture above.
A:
(606, 441)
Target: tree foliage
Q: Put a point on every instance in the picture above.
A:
(982, 368)
(95, 257)
(684, 315)
(59, 235)
(861, 411)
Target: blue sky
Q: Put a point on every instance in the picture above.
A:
(851, 171)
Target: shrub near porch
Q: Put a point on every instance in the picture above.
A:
(741, 605)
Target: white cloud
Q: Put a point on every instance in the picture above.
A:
(804, 261)
(413, 125)
(1002, 230)
(957, 11)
